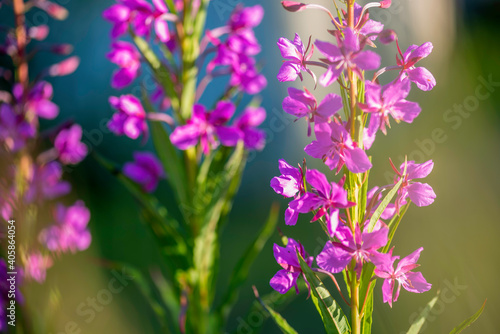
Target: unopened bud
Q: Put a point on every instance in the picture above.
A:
(385, 4)
(54, 10)
(65, 67)
(39, 33)
(62, 49)
(293, 6)
(387, 36)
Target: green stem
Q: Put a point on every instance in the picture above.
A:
(355, 316)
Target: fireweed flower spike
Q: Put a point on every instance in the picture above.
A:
(362, 247)
(289, 184)
(390, 100)
(347, 54)
(421, 194)
(146, 170)
(335, 147)
(403, 275)
(303, 104)
(286, 257)
(296, 57)
(326, 197)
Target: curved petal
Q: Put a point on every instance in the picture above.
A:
(333, 259)
(329, 105)
(421, 194)
(422, 78)
(283, 281)
(356, 160)
(416, 283)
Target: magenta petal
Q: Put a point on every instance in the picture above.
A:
(288, 72)
(283, 281)
(122, 78)
(356, 160)
(421, 52)
(421, 194)
(223, 111)
(307, 203)
(422, 78)
(161, 29)
(331, 51)
(405, 110)
(287, 256)
(294, 107)
(417, 283)
(160, 6)
(367, 60)
(185, 136)
(319, 182)
(46, 109)
(387, 291)
(409, 260)
(228, 136)
(117, 13)
(418, 171)
(291, 216)
(330, 76)
(333, 259)
(375, 240)
(329, 106)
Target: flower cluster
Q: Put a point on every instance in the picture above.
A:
(357, 236)
(229, 50)
(29, 178)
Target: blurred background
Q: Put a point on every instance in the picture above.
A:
(459, 129)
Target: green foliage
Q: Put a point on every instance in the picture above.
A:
(419, 322)
(278, 319)
(334, 319)
(466, 323)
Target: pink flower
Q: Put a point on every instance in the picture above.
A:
(126, 56)
(130, 120)
(388, 101)
(403, 275)
(286, 257)
(37, 99)
(146, 170)
(421, 194)
(254, 138)
(303, 104)
(203, 127)
(361, 247)
(419, 75)
(36, 266)
(296, 57)
(348, 54)
(14, 129)
(69, 233)
(69, 146)
(335, 147)
(289, 184)
(46, 183)
(326, 197)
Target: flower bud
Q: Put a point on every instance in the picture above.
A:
(65, 67)
(385, 4)
(62, 49)
(387, 36)
(39, 33)
(293, 6)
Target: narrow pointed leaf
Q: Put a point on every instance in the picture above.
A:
(416, 326)
(380, 209)
(334, 319)
(283, 325)
(468, 322)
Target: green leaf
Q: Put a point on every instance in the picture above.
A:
(242, 268)
(206, 247)
(172, 164)
(334, 319)
(362, 199)
(278, 319)
(416, 326)
(367, 320)
(469, 321)
(380, 209)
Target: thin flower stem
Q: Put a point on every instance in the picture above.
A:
(334, 281)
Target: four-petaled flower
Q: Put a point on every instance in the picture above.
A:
(14, 129)
(289, 184)
(420, 193)
(390, 100)
(203, 126)
(419, 75)
(361, 247)
(347, 55)
(253, 138)
(126, 56)
(303, 104)
(69, 146)
(335, 147)
(326, 197)
(130, 120)
(146, 170)
(403, 275)
(286, 257)
(296, 56)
